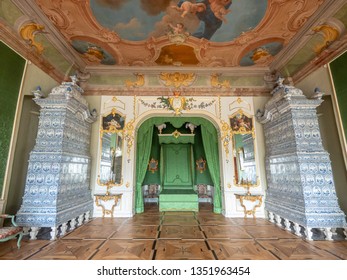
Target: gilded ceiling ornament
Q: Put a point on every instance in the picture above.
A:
(218, 84)
(177, 79)
(28, 33)
(140, 81)
(330, 34)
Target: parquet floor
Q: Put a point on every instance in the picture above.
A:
(175, 236)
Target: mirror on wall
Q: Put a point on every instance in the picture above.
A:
(111, 145)
(243, 135)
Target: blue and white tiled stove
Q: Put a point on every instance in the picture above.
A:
(57, 191)
(301, 192)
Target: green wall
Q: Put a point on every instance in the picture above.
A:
(339, 73)
(198, 152)
(11, 72)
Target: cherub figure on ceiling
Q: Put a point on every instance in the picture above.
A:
(189, 7)
(211, 14)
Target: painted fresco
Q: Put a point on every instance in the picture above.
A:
(93, 53)
(261, 55)
(215, 20)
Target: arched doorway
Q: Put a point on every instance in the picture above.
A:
(147, 147)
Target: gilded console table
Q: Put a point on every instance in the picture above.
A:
(105, 198)
(256, 199)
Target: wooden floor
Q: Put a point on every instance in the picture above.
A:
(175, 236)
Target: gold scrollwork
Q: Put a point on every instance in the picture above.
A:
(252, 198)
(105, 198)
(225, 137)
(28, 33)
(129, 136)
(109, 184)
(177, 79)
(140, 81)
(219, 84)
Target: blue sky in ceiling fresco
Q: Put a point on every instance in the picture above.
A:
(83, 46)
(272, 49)
(138, 20)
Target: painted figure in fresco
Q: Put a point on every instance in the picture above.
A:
(219, 10)
(189, 7)
(178, 29)
(241, 122)
(211, 18)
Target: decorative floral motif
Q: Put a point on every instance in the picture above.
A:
(165, 104)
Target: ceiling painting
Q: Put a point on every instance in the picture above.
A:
(261, 55)
(240, 39)
(177, 55)
(93, 53)
(215, 20)
(199, 33)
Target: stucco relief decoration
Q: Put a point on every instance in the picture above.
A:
(139, 82)
(28, 33)
(215, 82)
(177, 79)
(210, 33)
(177, 103)
(129, 135)
(225, 137)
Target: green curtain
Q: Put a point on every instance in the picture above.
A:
(154, 177)
(210, 143)
(199, 152)
(144, 142)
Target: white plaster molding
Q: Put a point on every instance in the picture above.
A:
(156, 70)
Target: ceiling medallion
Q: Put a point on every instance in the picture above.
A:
(177, 79)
